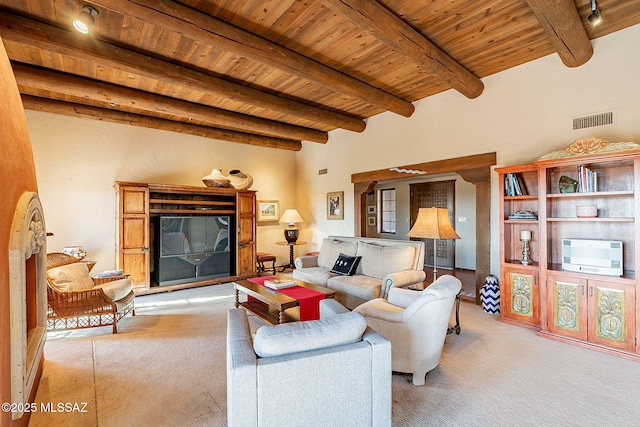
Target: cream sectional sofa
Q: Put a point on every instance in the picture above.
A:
(384, 264)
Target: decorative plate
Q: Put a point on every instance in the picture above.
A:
(567, 185)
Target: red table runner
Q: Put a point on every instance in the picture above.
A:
(308, 299)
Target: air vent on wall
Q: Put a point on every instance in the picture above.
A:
(593, 120)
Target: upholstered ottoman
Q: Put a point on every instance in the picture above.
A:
(261, 258)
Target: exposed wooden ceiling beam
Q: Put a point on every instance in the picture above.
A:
(396, 33)
(209, 30)
(42, 36)
(102, 114)
(32, 80)
(458, 164)
(564, 29)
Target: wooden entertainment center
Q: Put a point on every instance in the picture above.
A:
(590, 310)
(141, 204)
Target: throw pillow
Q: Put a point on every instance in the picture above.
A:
(330, 249)
(346, 265)
(71, 277)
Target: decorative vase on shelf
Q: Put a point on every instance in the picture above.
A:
(75, 251)
(490, 295)
(216, 179)
(240, 180)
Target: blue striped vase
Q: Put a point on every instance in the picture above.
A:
(490, 294)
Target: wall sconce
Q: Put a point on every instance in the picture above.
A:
(291, 217)
(85, 19)
(595, 18)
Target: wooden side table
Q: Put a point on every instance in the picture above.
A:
(291, 265)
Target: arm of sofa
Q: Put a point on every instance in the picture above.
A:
(402, 297)
(379, 308)
(381, 377)
(401, 279)
(242, 397)
(306, 261)
(330, 307)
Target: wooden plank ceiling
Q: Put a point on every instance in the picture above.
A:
(278, 72)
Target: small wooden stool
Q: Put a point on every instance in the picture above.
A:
(261, 258)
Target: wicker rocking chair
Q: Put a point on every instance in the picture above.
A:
(71, 306)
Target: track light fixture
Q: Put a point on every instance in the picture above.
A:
(85, 19)
(595, 18)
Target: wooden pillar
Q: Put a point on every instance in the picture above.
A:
(360, 191)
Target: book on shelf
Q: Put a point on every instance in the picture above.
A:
(587, 180)
(279, 283)
(514, 185)
(523, 215)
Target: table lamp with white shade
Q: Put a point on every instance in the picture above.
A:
(291, 217)
(433, 223)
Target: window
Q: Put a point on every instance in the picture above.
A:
(388, 210)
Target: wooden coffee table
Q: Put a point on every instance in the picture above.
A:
(272, 306)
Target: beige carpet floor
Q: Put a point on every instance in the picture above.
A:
(166, 367)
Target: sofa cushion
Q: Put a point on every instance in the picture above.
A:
(346, 265)
(309, 335)
(71, 277)
(378, 261)
(313, 275)
(360, 286)
(116, 289)
(331, 249)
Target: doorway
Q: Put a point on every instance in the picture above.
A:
(475, 169)
(438, 194)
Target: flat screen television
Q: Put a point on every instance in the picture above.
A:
(192, 248)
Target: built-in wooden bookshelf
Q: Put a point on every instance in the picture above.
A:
(593, 310)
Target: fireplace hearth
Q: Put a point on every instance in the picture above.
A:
(28, 298)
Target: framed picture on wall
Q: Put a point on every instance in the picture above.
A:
(268, 210)
(335, 205)
(371, 209)
(371, 221)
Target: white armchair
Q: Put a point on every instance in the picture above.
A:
(415, 322)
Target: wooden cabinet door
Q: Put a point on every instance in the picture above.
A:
(133, 250)
(246, 263)
(520, 298)
(567, 306)
(612, 314)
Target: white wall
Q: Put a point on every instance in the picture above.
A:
(78, 161)
(523, 113)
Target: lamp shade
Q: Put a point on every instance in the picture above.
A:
(290, 216)
(433, 223)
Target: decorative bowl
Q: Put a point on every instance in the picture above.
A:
(217, 183)
(587, 211)
(216, 179)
